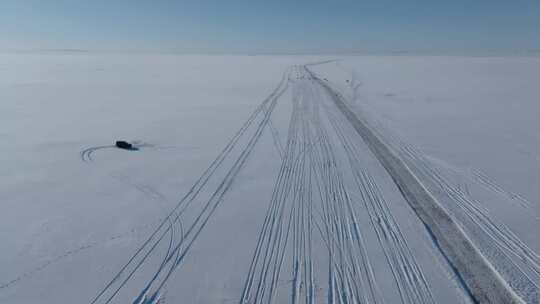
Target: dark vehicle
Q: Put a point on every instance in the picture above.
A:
(124, 145)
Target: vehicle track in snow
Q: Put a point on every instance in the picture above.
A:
(355, 281)
(489, 183)
(483, 281)
(265, 266)
(411, 282)
(87, 153)
(480, 178)
(516, 261)
(314, 206)
(175, 231)
(310, 195)
(512, 256)
(176, 252)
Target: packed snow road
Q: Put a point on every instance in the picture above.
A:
(313, 199)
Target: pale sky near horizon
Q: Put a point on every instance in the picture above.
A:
(242, 26)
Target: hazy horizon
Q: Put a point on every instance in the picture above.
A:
(248, 27)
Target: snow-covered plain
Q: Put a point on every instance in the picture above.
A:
(75, 210)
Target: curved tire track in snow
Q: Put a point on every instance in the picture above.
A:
(86, 154)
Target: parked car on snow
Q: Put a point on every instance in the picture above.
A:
(124, 145)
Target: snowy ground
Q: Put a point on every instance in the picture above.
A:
(293, 206)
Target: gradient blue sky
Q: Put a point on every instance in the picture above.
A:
(243, 26)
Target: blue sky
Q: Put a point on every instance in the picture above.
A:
(243, 26)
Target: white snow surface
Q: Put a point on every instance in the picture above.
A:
(74, 209)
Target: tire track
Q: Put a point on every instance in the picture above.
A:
(484, 282)
(520, 263)
(489, 183)
(411, 282)
(178, 253)
(86, 154)
(482, 179)
(216, 198)
(357, 281)
(175, 256)
(270, 238)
